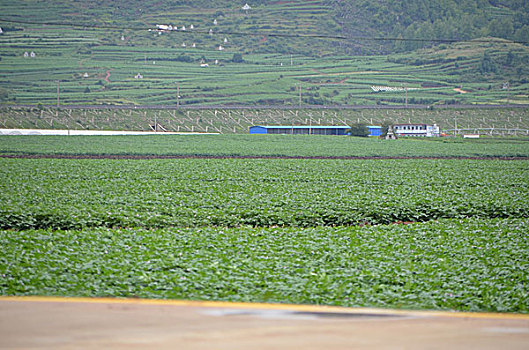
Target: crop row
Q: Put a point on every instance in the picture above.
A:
(65, 194)
(473, 265)
(259, 145)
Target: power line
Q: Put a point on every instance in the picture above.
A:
(266, 34)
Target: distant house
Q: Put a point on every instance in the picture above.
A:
(215, 22)
(32, 54)
(225, 40)
(419, 130)
(194, 45)
(211, 32)
(191, 27)
(1, 31)
(183, 28)
(246, 7)
(204, 65)
(138, 76)
(221, 48)
(26, 54)
(183, 44)
(85, 75)
(216, 61)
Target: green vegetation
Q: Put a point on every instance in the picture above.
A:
(358, 130)
(472, 265)
(446, 233)
(262, 145)
(489, 122)
(98, 64)
(415, 233)
(230, 193)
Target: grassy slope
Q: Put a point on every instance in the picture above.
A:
(327, 75)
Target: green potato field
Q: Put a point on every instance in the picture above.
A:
(417, 233)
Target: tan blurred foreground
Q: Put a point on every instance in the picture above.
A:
(77, 323)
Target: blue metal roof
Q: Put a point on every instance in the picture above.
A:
(304, 126)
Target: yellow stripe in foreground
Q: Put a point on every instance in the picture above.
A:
(263, 306)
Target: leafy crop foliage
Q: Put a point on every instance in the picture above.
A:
(66, 194)
(472, 265)
(401, 233)
(262, 145)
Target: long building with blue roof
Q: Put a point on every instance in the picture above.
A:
(299, 129)
(309, 130)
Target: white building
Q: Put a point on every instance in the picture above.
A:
(221, 48)
(246, 7)
(418, 130)
(215, 22)
(138, 76)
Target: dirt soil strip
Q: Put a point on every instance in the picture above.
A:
(190, 156)
(86, 323)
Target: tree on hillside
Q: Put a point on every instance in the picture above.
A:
(358, 130)
(237, 58)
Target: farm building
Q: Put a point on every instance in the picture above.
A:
(375, 130)
(299, 130)
(421, 130)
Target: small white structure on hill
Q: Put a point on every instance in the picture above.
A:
(221, 48)
(225, 40)
(32, 54)
(211, 32)
(26, 54)
(191, 27)
(215, 22)
(183, 44)
(184, 28)
(420, 130)
(138, 76)
(1, 31)
(246, 7)
(204, 65)
(85, 75)
(194, 45)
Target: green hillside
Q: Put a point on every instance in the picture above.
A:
(277, 53)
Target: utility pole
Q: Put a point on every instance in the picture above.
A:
(406, 92)
(177, 95)
(300, 94)
(58, 101)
